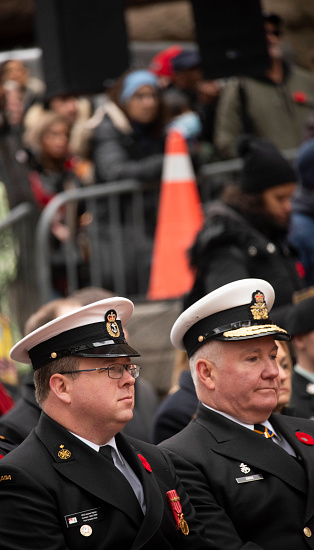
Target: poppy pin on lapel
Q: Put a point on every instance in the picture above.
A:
(305, 438)
(145, 463)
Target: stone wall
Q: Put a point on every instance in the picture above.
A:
(174, 21)
(170, 20)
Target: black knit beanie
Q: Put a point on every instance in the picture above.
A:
(301, 319)
(263, 165)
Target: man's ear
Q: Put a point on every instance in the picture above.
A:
(205, 372)
(61, 385)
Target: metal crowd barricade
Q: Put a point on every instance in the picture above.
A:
(109, 236)
(17, 263)
(110, 245)
(213, 176)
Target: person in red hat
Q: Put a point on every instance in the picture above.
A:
(161, 65)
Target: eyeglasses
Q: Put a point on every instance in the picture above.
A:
(115, 370)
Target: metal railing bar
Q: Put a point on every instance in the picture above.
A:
(17, 214)
(235, 165)
(42, 235)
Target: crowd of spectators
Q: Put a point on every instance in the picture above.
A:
(260, 223)
(257, 231)
(121, 135)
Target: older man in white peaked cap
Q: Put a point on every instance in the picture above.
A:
(75, 482)
(249, 473)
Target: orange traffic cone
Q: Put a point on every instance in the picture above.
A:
(179, 219)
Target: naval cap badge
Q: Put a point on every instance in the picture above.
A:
(111, 325)
(258, 306)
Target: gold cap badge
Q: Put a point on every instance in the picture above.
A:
(258, 308)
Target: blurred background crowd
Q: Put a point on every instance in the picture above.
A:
(250, 139)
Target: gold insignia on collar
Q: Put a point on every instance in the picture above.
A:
(64, 454)
(258, 308)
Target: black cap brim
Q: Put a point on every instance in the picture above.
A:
(110, 350)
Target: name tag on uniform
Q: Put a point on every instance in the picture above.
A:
(246, 479)
(79, 518)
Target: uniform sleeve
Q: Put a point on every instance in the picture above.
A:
(29, 518)
(196, 539)
(219, 528)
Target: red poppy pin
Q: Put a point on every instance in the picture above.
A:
(299, 97)
(305, 438)
(300, 270)
(145, 463)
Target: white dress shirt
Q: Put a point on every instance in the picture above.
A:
(277, 438)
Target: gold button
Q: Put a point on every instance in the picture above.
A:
(53, 355)
(307, 531)
(201, 338)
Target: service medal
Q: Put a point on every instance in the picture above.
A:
(176, 508)
(183, 526)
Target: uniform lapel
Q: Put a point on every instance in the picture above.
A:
(289, 429)
(153, 497)
(239, 443)
(88, 469)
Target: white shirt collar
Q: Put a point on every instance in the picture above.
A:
(111, 442)
(305, 373)
(249, 426)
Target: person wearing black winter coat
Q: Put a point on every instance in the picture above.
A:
(245, 233)
(176, 411)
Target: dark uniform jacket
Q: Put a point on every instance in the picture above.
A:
(302, 398)
(176, 411)
(23, 417)
(53, 484)
(216, 459)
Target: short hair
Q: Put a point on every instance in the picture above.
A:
(210, 351)
(88, 295)
(46, 313)
(42, 376)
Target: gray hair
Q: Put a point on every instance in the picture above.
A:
(211, 351)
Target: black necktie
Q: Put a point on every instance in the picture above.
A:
(105, 451)
(262, 430)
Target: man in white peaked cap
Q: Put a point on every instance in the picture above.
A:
(75, 482)
(249, 473)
